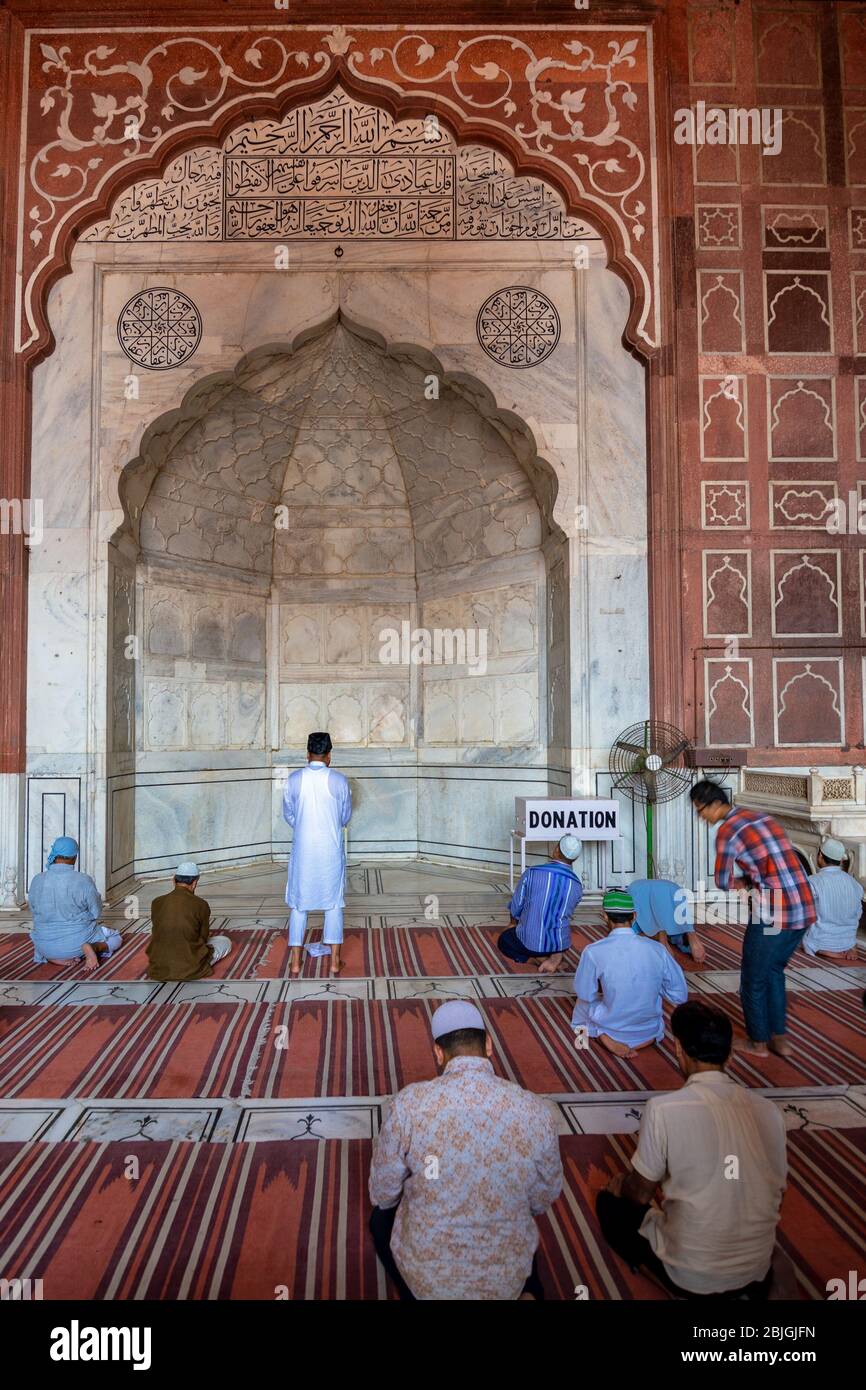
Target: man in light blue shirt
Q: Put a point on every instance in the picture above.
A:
(621, 981)
(66, 906)
(541, 908)
(839, 900)
(661, 907)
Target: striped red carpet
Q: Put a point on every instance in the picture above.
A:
(284, 1219)
(373, 1048)
(437, 950)
(359, 1048)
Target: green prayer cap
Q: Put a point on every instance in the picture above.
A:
(617, 900)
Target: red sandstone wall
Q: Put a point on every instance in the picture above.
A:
(770, 275)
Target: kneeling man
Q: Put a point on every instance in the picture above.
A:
(621, 981)
(717, 1152)
(659, 904)
(181, 946)
(839, 901)
(66, 906)
(461, 1168)
(541, 909)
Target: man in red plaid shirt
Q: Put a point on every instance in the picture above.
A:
(754, 854)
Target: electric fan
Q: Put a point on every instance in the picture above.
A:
(648, 763)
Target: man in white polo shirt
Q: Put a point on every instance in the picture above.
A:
(718, 1152)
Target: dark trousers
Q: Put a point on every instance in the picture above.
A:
(762, 978)
(510, 945)
(620, 1221)
(381, 1226)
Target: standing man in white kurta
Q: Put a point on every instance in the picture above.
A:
(317, 804)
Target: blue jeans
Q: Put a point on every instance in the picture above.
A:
(762, 978)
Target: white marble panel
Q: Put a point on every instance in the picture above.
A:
(246, 711)
(166, 714)
(517, 712)
(450, 987)
(345, 636)
(346, 714)
(107, 1122)
(302, 635)
(477, 711)
(314, 1119)
(387, 713)
(325, 990)
(302, 708)
(208, 715)
(23, 1122)
(212, 817)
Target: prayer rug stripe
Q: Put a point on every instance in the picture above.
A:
(161, 1051)
(366, 1048)
(436, 950)
(362, 1048)
(289, 1219)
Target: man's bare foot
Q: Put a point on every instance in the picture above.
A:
(295, 962)
(853, 954)
(753, 1049)
(780, 1045)
(699, 953)
(91, 960)
(617, 1048)
(336, 963)
(551, 964)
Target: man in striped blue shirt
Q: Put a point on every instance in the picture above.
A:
(839, 900)
(544, 899)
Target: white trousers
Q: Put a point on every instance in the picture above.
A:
(333, 934)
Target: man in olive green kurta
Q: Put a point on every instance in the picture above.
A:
(181, 947)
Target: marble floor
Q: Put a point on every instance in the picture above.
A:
(380, 898)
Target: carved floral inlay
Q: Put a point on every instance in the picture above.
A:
(576, 102)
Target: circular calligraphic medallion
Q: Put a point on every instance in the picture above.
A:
(159, 328)
(518, 326)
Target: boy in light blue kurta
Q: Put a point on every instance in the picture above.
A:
(317, 804)
(662, 908)
(66, 906)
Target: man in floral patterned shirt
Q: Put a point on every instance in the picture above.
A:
(461, 1168)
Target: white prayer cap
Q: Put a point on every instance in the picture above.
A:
(570, 846)
(187, 869)
(457, 1013)
(834, 849)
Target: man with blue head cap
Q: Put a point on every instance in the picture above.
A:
(66, 906)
